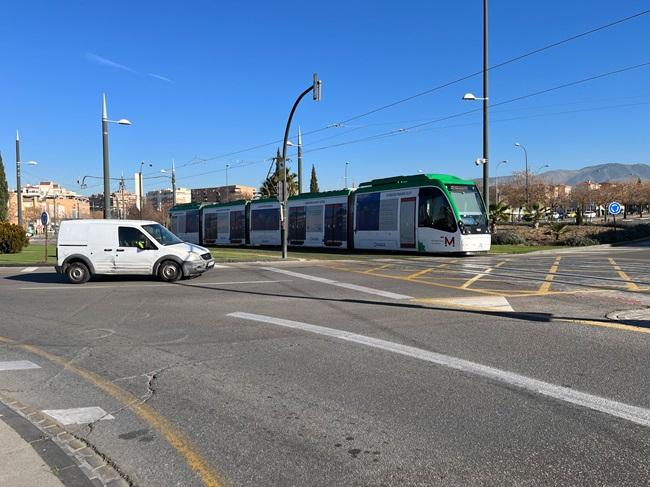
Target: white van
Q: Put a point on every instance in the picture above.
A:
(88, 247)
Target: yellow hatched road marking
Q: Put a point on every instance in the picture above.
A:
(471, 281)
(370, 271)
(606, 324)
(546, 285)
(177, 439)
(419, 273)
(628, 282)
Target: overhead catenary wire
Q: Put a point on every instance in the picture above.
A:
(430, 90)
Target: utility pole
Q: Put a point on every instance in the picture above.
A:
(107, 175)
(346, 174)
(299, 162)
(486, 164)
(173, 182)
(19, 191)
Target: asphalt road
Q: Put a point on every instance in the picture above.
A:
(489, 370)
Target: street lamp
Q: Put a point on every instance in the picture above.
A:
(174, 181)
(141, 186)
(19, 190)
(517, 144)
(484, 99)
(283, 190)
(107, 184)
(540, 168)
(346, 174)
(496, 179)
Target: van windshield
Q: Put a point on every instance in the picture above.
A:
(161, 234)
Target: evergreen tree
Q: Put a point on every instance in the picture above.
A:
(313, 183)
(269, 187)
(4, 192)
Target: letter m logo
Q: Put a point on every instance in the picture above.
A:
(450, 242)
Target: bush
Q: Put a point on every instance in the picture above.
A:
(12, 238)
(632, 232)
(506, 238)
(577, 241)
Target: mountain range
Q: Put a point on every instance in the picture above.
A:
(599, 173)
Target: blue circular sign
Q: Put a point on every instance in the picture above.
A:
(614, 208)
(45, 218)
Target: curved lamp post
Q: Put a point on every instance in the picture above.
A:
(107, 176)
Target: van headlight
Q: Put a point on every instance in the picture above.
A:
(194, 257)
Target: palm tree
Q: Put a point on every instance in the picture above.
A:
(533, 213)
(557, 228)
(269, 187)
(497, 215)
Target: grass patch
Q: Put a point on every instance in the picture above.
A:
(33, 254)
(521, 249)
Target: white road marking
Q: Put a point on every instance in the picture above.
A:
(78, 415)
(58, 287)
(331, 282)
(220, 266)
(634, 414)
(18, 365)
(29, 269)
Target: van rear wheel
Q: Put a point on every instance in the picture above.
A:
(77, 273)
(169, 271)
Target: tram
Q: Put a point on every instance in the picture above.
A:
(426, 213)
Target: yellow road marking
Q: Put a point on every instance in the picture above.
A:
(471, 281)
(370, 271)
(628, 282)
(546, 285)
(607, 324)
(172, 434)
(419, 273)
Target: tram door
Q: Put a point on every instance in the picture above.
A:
(407, 223)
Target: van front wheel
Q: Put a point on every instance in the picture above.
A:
(169, 271)
(77, 273)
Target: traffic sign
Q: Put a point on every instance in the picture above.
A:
(45, 218)
(614, 208)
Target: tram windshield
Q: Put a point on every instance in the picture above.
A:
(470, 207)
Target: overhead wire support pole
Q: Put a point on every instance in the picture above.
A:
(283, 190)
(486, 161)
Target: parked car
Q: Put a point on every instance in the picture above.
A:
(589, 214)
(92, 247)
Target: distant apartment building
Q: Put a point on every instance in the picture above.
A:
(48, 196)
(163, 198)
(121, 203)
(223, 194)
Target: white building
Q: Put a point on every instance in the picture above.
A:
(164, 197)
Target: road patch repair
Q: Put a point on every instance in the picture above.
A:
(78, 415)
(617, 409)
(486, 303)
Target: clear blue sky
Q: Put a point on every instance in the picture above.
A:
(205, 78)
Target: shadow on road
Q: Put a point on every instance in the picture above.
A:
(53, 278)
(527, 316)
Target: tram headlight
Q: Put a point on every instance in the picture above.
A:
(462, 227)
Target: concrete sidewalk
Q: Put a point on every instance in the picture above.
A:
(20, 464)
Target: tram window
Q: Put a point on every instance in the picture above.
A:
(177, 222)
(368, 212)
(297, 228)
(237, 225)
(434, 211)
(210, 229)
(192, 221)
(336, 222)
(265, 219)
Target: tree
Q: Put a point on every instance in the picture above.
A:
(498, 214)
(269, 187)
(4, 192)
(313, 183)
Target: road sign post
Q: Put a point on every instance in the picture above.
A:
(45, 220)
(614, 208)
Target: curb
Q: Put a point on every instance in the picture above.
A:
(77, 462)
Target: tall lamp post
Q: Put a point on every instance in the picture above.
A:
(517, 144)
(496, 179)
(107, 175)
(141, 186)
(540, 168)
(173, 177)
(484, 98)
(283, 190)
(19, 189)
(347, 163)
